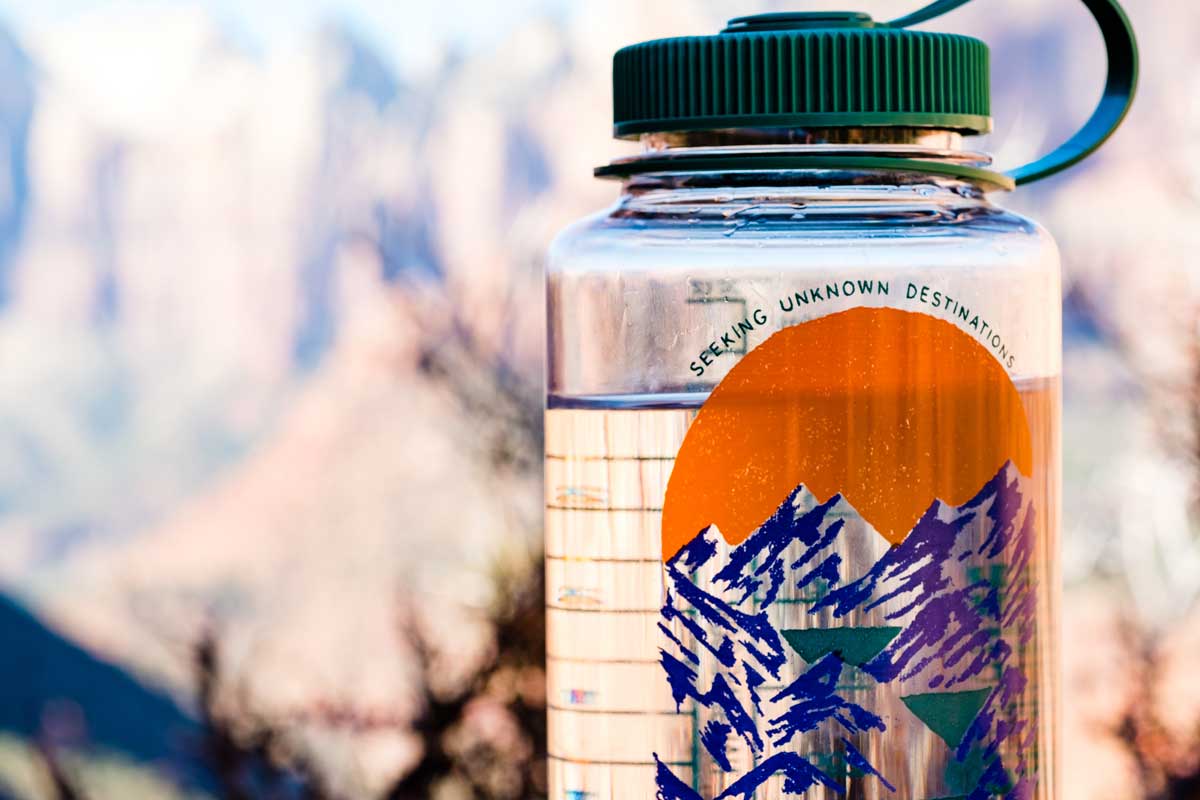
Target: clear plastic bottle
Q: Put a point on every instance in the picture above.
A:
(802, 464)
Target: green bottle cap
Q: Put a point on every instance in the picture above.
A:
(841, 69)
(802, 70)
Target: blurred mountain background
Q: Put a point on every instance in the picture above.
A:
(271, 336)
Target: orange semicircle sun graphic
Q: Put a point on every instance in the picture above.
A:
(891, 409)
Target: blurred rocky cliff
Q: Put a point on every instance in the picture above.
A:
(233, 284)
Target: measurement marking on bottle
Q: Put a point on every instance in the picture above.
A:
(590, 762)
(618, 712)
(573, 610)
(577, 598)
(590, 560)
(610, 709)
(632, 510)
(611, 459)
(720, 292)
(575, 660)
(585, 496)
(577, 697)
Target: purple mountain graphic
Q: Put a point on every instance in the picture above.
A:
(936, 630)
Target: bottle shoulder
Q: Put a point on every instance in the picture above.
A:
(629, 235)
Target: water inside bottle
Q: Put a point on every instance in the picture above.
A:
(612, 716)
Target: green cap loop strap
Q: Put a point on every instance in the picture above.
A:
(1119, 88)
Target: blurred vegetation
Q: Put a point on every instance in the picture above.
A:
(460, 761)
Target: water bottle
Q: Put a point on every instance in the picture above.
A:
(802, 427)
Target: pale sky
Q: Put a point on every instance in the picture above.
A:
(413, 32)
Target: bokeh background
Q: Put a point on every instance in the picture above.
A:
(271, 333)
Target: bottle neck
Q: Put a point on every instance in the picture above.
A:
(929, 138)
(881, 157)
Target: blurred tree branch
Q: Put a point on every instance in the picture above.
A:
(1168, 768)
(510, 680)
(247, 754)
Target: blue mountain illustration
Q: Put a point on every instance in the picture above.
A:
(817, 629)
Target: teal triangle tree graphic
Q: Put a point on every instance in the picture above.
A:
(854, 646)
(948, 714)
